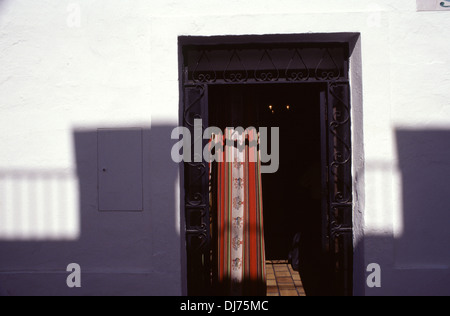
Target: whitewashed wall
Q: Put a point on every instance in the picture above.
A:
(70, 67)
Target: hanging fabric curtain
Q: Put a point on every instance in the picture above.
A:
(240, 252)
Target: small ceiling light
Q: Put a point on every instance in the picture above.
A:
(288, 107)
(273, 111)
(270, 107)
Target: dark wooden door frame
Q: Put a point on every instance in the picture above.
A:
(194, 180)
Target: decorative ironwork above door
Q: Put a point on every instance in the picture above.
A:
(259, 64)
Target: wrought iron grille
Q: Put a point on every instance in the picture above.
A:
(339, 186)
(259, 64)
(196, 178)
(204, 66)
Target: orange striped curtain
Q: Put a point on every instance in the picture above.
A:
(240, 233)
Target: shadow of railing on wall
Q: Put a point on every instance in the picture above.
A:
(39, 205)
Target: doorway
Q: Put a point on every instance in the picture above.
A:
(303, 88)
(292, 195)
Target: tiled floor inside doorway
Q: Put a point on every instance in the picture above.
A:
(282, 280)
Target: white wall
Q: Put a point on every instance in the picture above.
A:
(70, 67)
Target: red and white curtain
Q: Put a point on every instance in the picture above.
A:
(240, 233)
